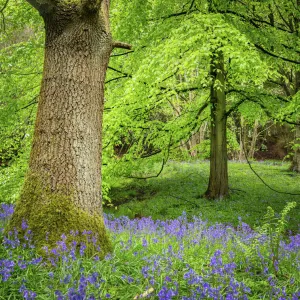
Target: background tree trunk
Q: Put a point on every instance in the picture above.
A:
(253, 140)
(296, 159)
(243, 139)
(218, 178)
(62, 191)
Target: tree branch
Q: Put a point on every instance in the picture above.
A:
(275, 55)
(120, 54)
(42, 7)
(233, 108)
(116, 78)
(117, 44)
(153, 176)
(252, 20)
(4, 6)
(182, 13)
(32, 102)
(267, 185)
(265, 109)
(2, 14)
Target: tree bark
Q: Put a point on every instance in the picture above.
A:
(62, 190)
(254, 140)
(218, 178)
(296, 159)
(243, 140)
(295, 166)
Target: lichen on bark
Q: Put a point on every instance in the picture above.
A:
(51, 214)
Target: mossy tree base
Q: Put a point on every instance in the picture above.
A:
(49, 215)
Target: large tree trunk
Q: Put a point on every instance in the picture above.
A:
(218, 178)
(62, 190)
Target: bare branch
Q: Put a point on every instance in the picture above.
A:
(183, 13)
(120, 54)
(259, 177)
(153, 176)
(32, 102)
(120, 72)
(116, 78)
(2, 14)
(117, 44)
(4, 6)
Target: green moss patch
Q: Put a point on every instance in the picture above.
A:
(49, 215)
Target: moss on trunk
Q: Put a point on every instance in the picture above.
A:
(50, 214)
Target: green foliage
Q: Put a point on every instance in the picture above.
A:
(180, 185)
(166, 80)
(274, 229)
(156, 103)
(11, 179)
(172, 254)
(21, 56)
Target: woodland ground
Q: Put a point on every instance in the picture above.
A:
(181, 184)
(172, 254)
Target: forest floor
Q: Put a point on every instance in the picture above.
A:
(181, 185)
(172, 254)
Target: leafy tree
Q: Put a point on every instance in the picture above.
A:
(174, 70)
(273, 27)
(21, 54)
(62, 190)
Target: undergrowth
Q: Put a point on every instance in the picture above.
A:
(181, 184)
(172, 259)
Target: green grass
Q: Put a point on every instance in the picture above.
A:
(181, 184)
(163, 257)
(176, 255)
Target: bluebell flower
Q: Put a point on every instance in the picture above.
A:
(67, 279)
(82, 249)
(24, 225)
(144, 243)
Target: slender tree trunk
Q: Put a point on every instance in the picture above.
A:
(254, 140)
(243, 140)
(218, 179)
(62, 190)
(296, 159)
(202, 132)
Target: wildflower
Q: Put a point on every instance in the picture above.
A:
(36, 261)
(67, 279)
(82, 249)
(165, 293)
(24, 225)
(145, 270)
(28, 294)
(144, 243)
